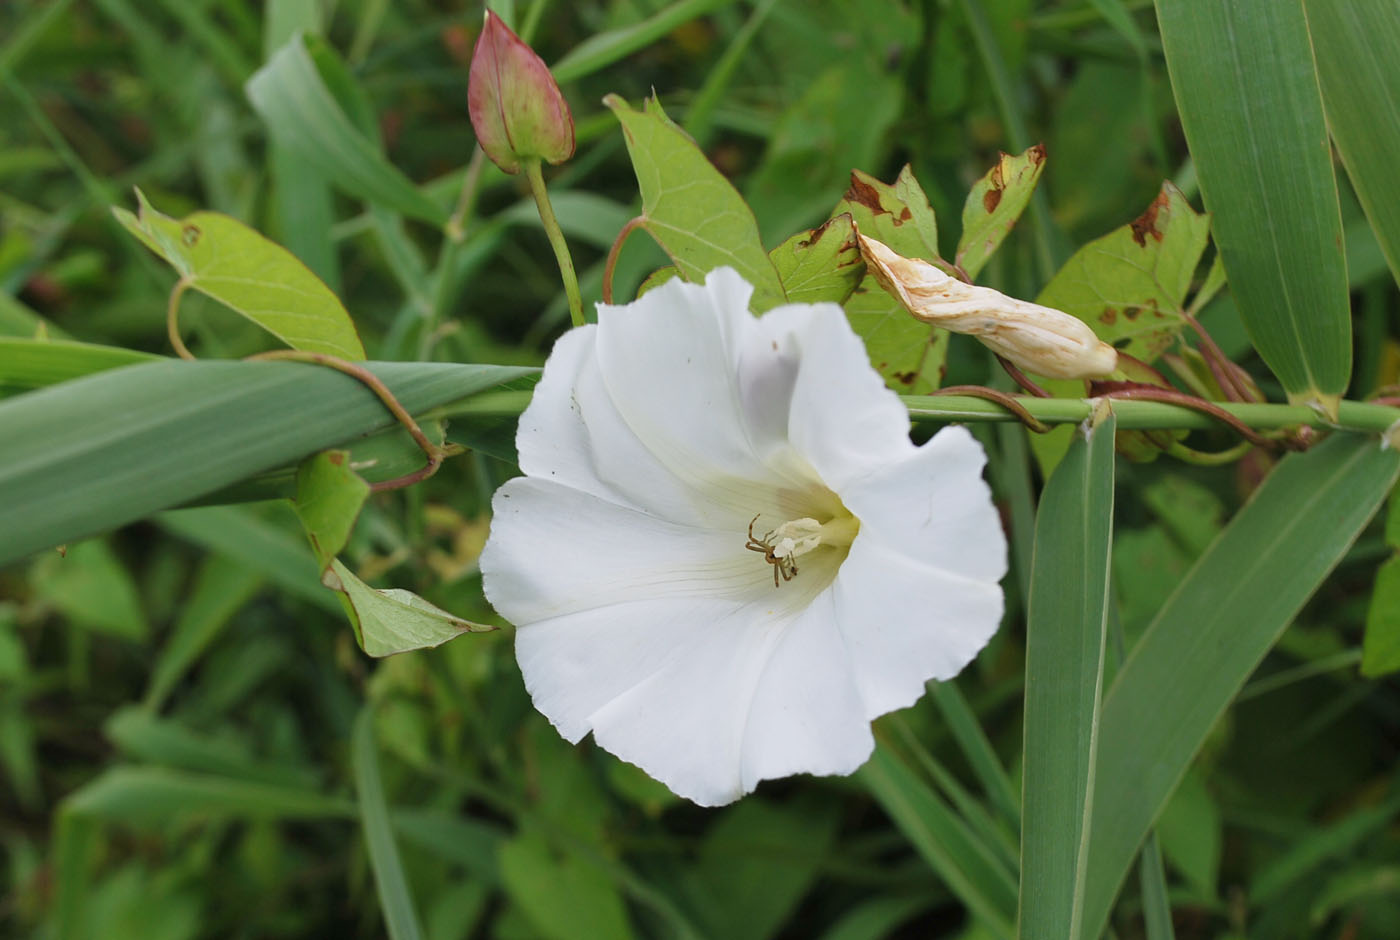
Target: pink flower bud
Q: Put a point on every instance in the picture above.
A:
(516, 107)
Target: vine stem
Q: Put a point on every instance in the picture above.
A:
(556, 238)
(433, 452)
(172, 319)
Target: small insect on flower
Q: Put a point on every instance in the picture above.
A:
(784, 565)
(628, 555)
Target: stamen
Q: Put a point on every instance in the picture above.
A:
(781, 546)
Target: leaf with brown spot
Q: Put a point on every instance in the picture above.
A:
(822, 264)
(1130, 286)
(994, 205)
(1141, 272)
(909, 354)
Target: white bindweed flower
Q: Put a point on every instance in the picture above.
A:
(726, 556)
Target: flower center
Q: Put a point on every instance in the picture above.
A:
(780, 547)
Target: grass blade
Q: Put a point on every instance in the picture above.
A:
(1355, 43)
(1247, 90)
(311, 105)
(1065, 635)
(944, 841)
(99, 452)
(1226, 614)
(400, 919)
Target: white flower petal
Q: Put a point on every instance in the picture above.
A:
(572, 434)
(555, 550)
(935, 507)
(807, 714)
(835, 388)
(906, 623)
(656, 688)
(670, 362)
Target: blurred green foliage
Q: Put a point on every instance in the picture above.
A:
(192, 745)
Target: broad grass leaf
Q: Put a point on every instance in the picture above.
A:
(1066, 628)
(1226, 614)
(1355, 43)
(1247, 91)
(185, 430)
(35, 363)
(313, 106)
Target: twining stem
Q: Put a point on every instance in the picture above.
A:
(1008, 402)
(556, 238)
(613, 252)
(434, 453)
(172, 319)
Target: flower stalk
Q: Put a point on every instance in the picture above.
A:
(556, 239)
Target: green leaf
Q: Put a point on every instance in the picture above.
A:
(1065, 632)
(755, 865)
(822, 265)
(224, 259)
(395, 621)
(247, 537)
(1319, 846)
(395, 899)
(141, 734)
(995, 203)
(98, 452)
(1250, 105)
(1189, 833)
(603, 49)
(944, 841)
(1211, 634)
(1380, 651)
(313, 107)
(93, 589)
(221, 589)
(157, 796)
(907, 353)
(1131, 284)
(897, 213)
(692, 211)
(561, 894)
(1355, 45)
(328, 501)
(35, 363)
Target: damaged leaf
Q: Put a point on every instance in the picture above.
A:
(994, 205)
(907, 353)
(820, 265)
